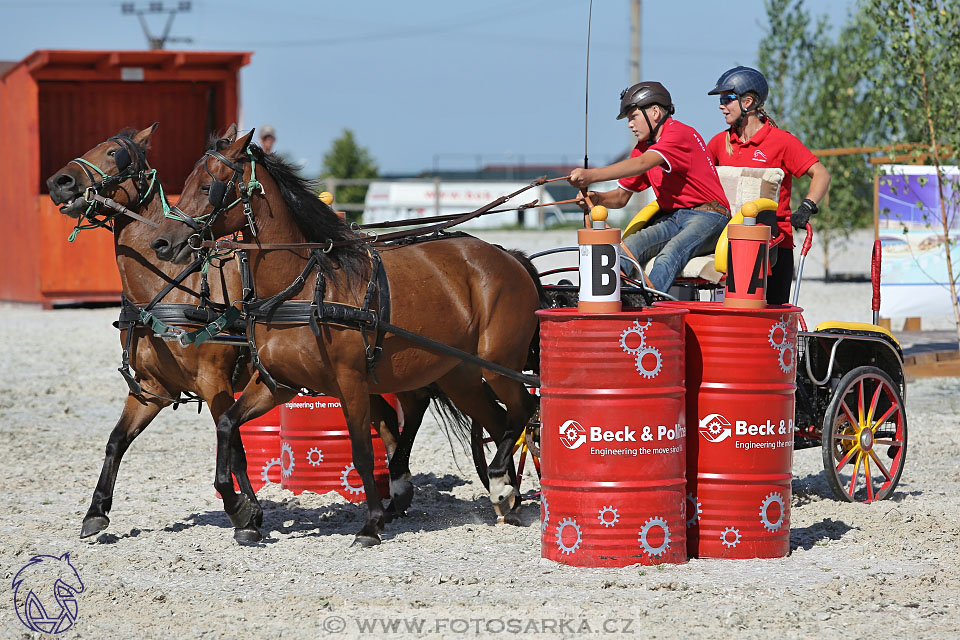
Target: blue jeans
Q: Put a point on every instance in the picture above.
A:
(683, 235)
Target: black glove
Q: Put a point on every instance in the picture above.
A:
(801, 216)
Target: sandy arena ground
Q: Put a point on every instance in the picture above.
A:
(168, 566)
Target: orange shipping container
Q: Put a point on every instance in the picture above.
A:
(57, 104)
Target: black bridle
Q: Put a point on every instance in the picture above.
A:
(218, 196)
(131, 164)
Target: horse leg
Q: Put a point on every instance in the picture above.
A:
(521, 405)
(134, 419)
(356, 409)
(471, 397)
(219, 403)
(255, 401)
(414, 405)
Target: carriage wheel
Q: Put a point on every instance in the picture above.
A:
(864, 436)
(527, 445)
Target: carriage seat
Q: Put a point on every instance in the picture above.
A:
(741, 185)
(856, 327)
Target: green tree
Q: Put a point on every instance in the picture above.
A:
(346, 159)
(916, 98)
(817, 93)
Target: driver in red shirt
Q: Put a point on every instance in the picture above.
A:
(672, 158)
(754, 140)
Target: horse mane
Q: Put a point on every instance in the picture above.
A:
(315, 219)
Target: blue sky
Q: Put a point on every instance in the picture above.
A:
(427, 82)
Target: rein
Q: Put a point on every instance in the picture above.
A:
(329, 245)
(280, 309)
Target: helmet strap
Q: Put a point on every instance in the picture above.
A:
(653, 129)
(744, 112)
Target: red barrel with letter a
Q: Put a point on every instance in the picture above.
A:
(612, 437)
(741, 380)
(316, 441)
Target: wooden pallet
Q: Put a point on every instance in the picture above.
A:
(928, 364)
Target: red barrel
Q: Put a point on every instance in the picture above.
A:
(261, 444)
(612, 439)
(741, 380)
(314, 435)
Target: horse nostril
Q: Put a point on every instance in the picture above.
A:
(65, 180)
(160, 244)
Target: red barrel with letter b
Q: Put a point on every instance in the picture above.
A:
(741, 381)
(612, 439)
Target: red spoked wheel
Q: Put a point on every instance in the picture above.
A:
(864, 437)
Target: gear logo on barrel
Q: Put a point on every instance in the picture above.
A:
(564, 524)
(315, 456)
(546, 512)
(642, 352)
(728, 541)
(265, 472)
(345, 481)
(572, 434)
(608, 516)
(696, 509)
(659, 550)
(778, 340)
(715, 428)
(286, 460)
(764, 508)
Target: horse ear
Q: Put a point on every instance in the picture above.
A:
(143, 138)
(240, 146)
(230, 134)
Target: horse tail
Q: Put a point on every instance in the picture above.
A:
(456, 424)
(533, 354)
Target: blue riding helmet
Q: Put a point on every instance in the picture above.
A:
(741, 80)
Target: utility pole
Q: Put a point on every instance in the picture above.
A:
(635, 29)
(129, 8)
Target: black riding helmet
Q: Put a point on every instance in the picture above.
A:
(740, 81)
(644, 94)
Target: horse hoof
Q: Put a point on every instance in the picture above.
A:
(247, 535)
(366, 541)
(401, 495)
(512, 518)
(506, 505)
(94, 525)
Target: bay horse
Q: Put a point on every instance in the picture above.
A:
(457, 290)
(116, 168)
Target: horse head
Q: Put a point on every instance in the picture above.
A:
(207, 205)
(115, 168)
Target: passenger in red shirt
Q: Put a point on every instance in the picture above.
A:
(672, 158)
(754, 140)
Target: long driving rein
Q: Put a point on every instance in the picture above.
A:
(280, 308)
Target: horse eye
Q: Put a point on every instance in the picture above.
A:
(205, 188)
(112, 152)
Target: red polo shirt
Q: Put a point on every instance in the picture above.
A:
(687, 178)
(769, 147)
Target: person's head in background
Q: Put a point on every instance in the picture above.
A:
(268, 135)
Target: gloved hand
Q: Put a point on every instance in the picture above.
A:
(801, 216)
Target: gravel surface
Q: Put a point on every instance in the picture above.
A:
(168, 565)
